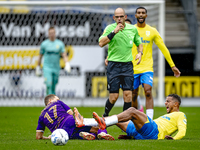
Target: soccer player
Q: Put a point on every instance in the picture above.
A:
(120, 37)
(57, 115)
(51, 49)
(143, 73)
(141, 126)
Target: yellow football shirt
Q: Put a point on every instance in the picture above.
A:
(170, 123)
(149, 35)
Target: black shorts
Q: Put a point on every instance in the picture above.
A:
(119, 73)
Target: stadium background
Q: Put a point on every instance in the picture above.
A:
(23, 30)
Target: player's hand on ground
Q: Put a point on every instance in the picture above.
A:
(38, 71)
(138, 57)
(67, 67)
(168, 137)
(177, 73)
(106, 62)
(118, 28)
(49, 137)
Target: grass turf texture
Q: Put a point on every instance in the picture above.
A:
(18, 130)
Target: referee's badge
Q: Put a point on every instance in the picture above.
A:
(147, 33)
(57, 46)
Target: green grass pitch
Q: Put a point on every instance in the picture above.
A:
(18, 130)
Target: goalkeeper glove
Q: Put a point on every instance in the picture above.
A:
(67, 67)
(38, 71)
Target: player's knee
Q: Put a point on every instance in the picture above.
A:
(148, 93)
(127, 95)
(128, 98)
(131, 111)
(113, 97)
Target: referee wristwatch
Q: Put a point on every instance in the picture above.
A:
(141, 52)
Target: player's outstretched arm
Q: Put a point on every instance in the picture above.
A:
(39, 136)
(176, 71)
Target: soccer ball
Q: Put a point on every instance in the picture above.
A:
(59, 137)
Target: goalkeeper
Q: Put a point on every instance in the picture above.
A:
(51, 49)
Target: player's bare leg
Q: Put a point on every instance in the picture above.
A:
(138, 118)
(134, 98)
(149, 100)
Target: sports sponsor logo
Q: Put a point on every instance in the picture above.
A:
(145, 41)
(183, 86)
(18, 59)
(12, 30)
(166, 117)
(32, 29)
(25, 58)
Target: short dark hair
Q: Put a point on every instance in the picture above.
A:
(46, 99)
(128, 20)
(51, 28)
(176, 97)
(141, 8)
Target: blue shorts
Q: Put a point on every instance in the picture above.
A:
(141, 78)
(148, 131)
(119, 73)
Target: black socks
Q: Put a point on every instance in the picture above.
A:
(108, 107)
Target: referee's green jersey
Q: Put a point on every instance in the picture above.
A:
(120, 47)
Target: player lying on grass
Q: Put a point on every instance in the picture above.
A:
(140, 126)
(57, 115)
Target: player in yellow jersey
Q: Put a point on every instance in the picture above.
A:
(143, 73)
(140, 126)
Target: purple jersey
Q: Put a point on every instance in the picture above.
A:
(54, 116)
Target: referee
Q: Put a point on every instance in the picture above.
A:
(120, 37)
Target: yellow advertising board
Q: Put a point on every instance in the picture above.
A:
(18, 59)
(185, 86)
(25, 58)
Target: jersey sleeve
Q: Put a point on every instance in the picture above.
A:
(62, 49)
(41, 126)
(106, 31)
(137, 38)
(42, 48)
(159, 42)
(66, 107)
(182, 126)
